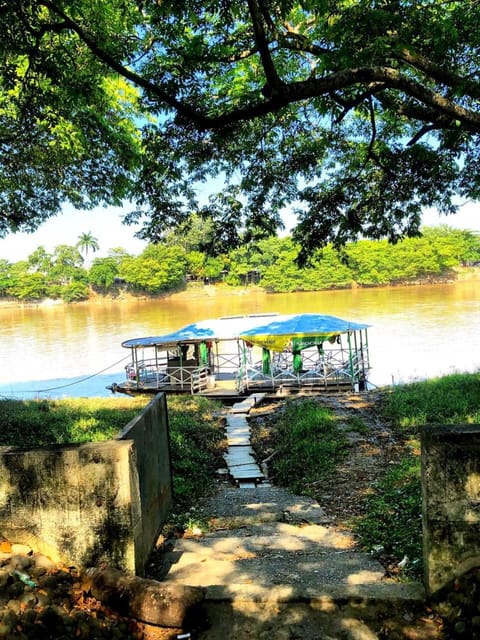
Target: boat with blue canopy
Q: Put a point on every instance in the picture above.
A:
(239, 354)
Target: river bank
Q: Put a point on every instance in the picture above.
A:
(61, 602)
(198, 289)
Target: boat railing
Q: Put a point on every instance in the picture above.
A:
(147, 372)
(225, 362)
(332, 367)
(199, 380)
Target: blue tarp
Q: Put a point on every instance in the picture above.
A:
(228, 328)
(304, 324)
(252, 327)
(283, 331)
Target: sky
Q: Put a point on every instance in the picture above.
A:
(104, 223)
(106, 226)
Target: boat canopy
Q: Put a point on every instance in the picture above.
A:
(226, 328)
(273, 331)
(298, 331)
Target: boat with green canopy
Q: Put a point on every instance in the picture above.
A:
(272, 352)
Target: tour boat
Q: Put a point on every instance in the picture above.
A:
(238, 355)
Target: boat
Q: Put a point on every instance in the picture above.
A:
(238, 355)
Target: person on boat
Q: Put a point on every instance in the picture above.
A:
(297, 361)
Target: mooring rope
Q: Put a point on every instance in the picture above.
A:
(70, 384)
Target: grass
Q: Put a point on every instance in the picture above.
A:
(37, 423)
(196, 441)
(308, 443)
(195, 435)
(392, 525)
(449, 400)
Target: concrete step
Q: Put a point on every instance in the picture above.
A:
(240, 453)
(261, 504)
(236, 421)
(287, 568)
(280, 562)
(269, 538)
(275, 553)
(391, 596)
(246, 472)
(248, 403)
(238, 440)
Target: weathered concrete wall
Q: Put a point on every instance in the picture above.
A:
(84, 504)
(150, 435)
(451, 502)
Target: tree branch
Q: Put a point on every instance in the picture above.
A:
(274, 84)
(283, 94)
(348, 105)
(440, 74)
(151, 88)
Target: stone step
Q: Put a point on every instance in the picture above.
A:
(248, 403)
(237, 429)
(242, 439)
(246, 472)
(270, 538)
(236, 421)
(240, 452)
(273, 568)
(238, 461)
(391, 596)
(284, 563)
(262, 504)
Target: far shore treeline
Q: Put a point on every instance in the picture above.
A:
(269, 263)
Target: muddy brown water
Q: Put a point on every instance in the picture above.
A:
(416, 332)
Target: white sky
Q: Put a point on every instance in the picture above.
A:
(106, 226)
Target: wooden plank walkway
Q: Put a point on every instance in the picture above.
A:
(239, 457)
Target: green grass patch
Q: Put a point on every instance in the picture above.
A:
(196, 441)
(392, 524)
(449, 400)
(195, 436)
(309, 445)
(38, 423)
(356, 424)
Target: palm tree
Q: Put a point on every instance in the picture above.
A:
(86, 242)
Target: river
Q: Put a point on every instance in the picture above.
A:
(416, 332)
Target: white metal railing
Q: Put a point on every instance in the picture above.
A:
(148, 373)
(335, 363)
(199, 380)
(333, 366)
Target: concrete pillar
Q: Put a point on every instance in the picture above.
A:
(451, 502)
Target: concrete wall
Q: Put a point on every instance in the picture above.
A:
(451, 502)
(84, 504)
(150, 435)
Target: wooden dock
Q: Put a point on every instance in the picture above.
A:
(240, 460)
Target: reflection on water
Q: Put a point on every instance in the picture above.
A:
(416, 332)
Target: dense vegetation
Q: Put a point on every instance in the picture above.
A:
(357, 113)
(270, 263)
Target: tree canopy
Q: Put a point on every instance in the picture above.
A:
(354, 113)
